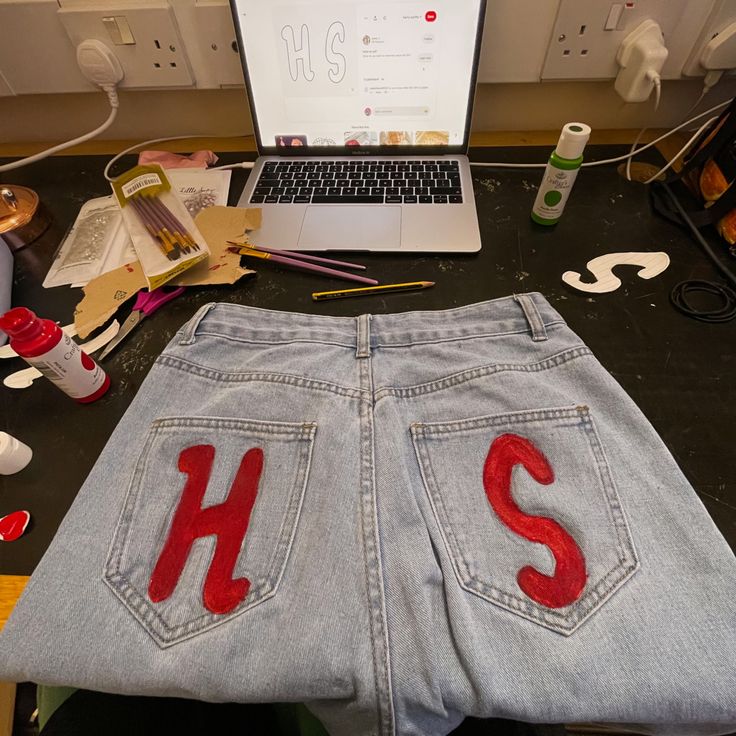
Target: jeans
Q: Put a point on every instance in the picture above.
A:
(397, 519)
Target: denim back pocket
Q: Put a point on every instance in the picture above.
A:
(208, 521)
(528, 512)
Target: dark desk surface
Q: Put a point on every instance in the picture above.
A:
(679, 371)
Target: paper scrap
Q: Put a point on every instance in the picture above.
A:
(601, 267)
(104, 295)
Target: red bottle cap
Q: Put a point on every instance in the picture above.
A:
(21, 323)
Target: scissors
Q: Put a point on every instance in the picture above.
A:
(146, 303)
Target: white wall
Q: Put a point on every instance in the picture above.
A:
(521, 49)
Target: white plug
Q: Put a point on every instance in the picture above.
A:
(641, 57)
(99, 64)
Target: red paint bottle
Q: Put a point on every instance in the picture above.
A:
(43, 344)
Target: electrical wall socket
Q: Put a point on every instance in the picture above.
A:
(208, 32)
(156, 58)
(587, 35)
(724, 13)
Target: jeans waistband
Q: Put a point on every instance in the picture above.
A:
(521, 313)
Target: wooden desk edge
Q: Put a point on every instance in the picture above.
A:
(246, 144)
(11, 586)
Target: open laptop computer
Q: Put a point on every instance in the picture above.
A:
(361, 112)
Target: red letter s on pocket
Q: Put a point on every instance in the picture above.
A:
(566, 585)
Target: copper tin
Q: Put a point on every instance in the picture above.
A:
(23, 218)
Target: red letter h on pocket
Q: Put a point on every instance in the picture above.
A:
(228, 521)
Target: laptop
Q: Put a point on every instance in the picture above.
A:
(361, 112)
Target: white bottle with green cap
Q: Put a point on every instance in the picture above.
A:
(560, 174)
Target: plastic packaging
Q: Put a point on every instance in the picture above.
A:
(165, 238)
(43, 344)
(560, 174)
(14, 454)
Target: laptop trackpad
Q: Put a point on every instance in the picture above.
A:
(350, 227)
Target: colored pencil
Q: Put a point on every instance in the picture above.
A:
(319, 296)
(304, 266)
(300, 256)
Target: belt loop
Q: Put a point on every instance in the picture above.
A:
(363, 342)
(190, 328)
(533, 317)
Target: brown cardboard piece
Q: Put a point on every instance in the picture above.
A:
(104, 294)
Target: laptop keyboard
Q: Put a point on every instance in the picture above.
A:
(358, 181)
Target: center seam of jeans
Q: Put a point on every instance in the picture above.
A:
(372, 558)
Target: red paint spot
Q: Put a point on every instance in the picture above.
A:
(129, 268)
(430, 16)
(228, 521)
(13, 525)
(568, 581)
(215, 267)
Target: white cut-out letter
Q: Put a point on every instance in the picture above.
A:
(652, 264)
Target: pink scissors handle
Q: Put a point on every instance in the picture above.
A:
(149, 301)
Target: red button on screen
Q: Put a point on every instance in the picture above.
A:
(430, 16)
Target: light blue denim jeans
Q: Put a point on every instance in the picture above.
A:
(398, 519)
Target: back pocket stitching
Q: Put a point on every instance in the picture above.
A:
(611, 581)
(627, 554)
(261, 591)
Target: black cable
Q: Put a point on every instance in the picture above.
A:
(679, 294)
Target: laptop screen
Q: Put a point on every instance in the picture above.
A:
(354, 75)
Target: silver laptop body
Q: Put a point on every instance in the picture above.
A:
(361, 113)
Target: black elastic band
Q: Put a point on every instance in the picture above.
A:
(679, 298)
(679, 295)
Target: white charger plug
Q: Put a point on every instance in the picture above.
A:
(99, 64)
(641, 57)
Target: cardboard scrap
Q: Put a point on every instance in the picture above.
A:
(104, 295)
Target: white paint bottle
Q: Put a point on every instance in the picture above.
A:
(14, 454)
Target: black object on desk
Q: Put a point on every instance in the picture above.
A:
(678, 371)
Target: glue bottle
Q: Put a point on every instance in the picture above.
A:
(43, 344)
(560, 174)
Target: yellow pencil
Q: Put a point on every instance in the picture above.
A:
(319, 296)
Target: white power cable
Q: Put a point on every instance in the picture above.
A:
(682, 151)
(616, 159)
(250, 164)
(101, 67)
(114, 104)
(241, 165)
(657, 80)
(654, 76)
(135, 147)
(106, 172)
